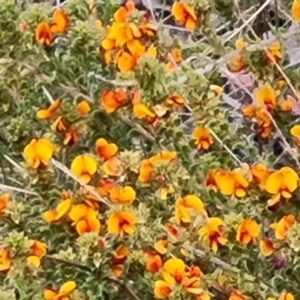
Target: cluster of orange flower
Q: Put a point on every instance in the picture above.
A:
(128, 38)
(45, 32)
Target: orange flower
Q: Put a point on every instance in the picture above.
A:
(38, 248)
(105, 187)
(38, 251)
(49, 112)
(264, 122)
(249, 111)
(122, 195)
(141, 111)
(274, 53)
(5, 260)
(247, 232)
(240, 44)
(162, 289)
(176, 58)
(148, 30)
(4, 199)
(57, 214)
(236, 64)
(186, 207)
(266, 96)
(105, 149)
(211, 180)
(121, 222)
(136, 47)
(174, 271)
(286, 105)
(122, 13)
(148, 165)
(113, 166)
(175, 100)
(84, 166)
(43, 34)
(282, 182)
(231, 183)
(154, 263)
(121, 255)
(84, 108)
(203, 138)
(125, 61)
(112, 101)
(285, 295)
(283, 226)
(161, 246)
(173, 230)
(296, 14)
(59, 125)
(184, 15)
(61, 22)
(38, 153)
(266, 247)
(195, 271)
(63, 293)
(260, 174)
(71, 137)
(237, 295)
(295, 131)
(213, 233)
(85, 219)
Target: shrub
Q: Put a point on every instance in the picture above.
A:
(129, 168)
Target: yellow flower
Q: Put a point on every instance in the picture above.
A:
(266, 247)
(85, 219)
(203, 138)
(105, 149)
(84, 166)
(186, 207)
(84, 108)
(296, 10)
(121, 222)
(61, 209)
(274, 53)
(174, 271)
(283, 182)
(49, 112)
(283, 226)
(266, 96)
(63, 293)
(260, 174)
(213, 233)
(122, 195)
(38, 153)
(147, 169)
(162, 289)
(61, 22)
(5, 260)
(247, 232)
(231, 183)
(38, 250)
(286, 296)
(184, 15)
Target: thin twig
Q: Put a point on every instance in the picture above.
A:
(226, 148)
(73, 176)
(6, 188)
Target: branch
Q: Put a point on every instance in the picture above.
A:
(117, 281)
